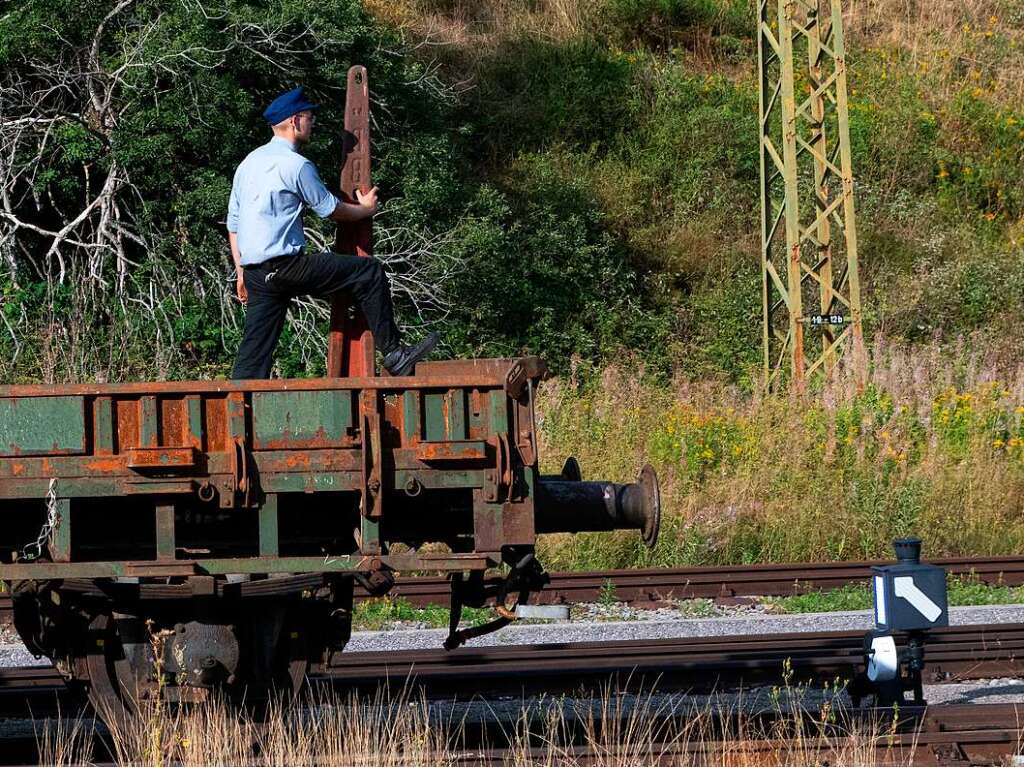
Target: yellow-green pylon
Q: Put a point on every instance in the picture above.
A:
(810, 286)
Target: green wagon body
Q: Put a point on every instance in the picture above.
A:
(318, 475)
(166, 539)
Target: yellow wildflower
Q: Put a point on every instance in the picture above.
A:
(997, 443)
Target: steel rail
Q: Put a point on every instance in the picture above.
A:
(953, 654)
(22, 678)
(655, 586)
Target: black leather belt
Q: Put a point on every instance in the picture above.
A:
(273, 263)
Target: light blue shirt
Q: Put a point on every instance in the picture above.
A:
(272, 187)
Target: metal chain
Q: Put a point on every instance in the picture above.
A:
(52, 520)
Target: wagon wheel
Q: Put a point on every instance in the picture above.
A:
(118, 697)
(113, 684)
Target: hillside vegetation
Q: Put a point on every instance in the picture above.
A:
(573, 178)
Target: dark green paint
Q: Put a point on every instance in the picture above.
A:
(268, 527)
(194, 407)
(148, 422)
(42, 426)
(302, 417)
(60, 536)
(433, 417)
(456, 424)
(104, 425)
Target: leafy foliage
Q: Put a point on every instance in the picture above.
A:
(594, 178)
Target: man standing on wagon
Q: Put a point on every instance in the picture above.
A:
(272, 187)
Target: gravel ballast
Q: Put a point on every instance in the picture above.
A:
(748, 624)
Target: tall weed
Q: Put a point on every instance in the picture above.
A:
(928, 448)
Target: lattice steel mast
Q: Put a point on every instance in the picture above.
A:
(810, 284)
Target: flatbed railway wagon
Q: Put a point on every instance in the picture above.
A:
(228, 522)
(169, 539)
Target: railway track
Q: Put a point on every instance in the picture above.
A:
(698, 664)
(953, 654)
(655, 586)
(942, 736)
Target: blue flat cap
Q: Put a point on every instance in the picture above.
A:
(288, 104)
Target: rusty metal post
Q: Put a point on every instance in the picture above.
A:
(269, 537)
(60, 536)
(350, 349)
(165, 542)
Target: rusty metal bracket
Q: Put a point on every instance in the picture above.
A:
(525, 575)
(523, 370)
(523, 412)
(372, 474)
(499, 480)
(376, 582)
(241, 473)
(452, 450)
(950, 755)
(162, 458)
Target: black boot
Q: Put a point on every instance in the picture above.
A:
(402, 361)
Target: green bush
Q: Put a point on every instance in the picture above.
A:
(533, 93)
(658, 21)
(540, 275)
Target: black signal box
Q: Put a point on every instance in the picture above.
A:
(910, 595)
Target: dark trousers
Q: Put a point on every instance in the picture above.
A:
(272, 285)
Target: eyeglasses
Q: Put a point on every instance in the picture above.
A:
(309, 115)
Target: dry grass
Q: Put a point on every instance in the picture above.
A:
(952, 44)
(933, 447)
(385, 732)
(381, 731)
(471, 25)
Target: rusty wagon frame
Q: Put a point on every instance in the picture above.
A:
(461, 426)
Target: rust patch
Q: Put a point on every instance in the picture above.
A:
(162, 458)
(451, 451)
(216, 424)
(297, 460)
(105, 465)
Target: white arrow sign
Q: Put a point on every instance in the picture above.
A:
(906, 588)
